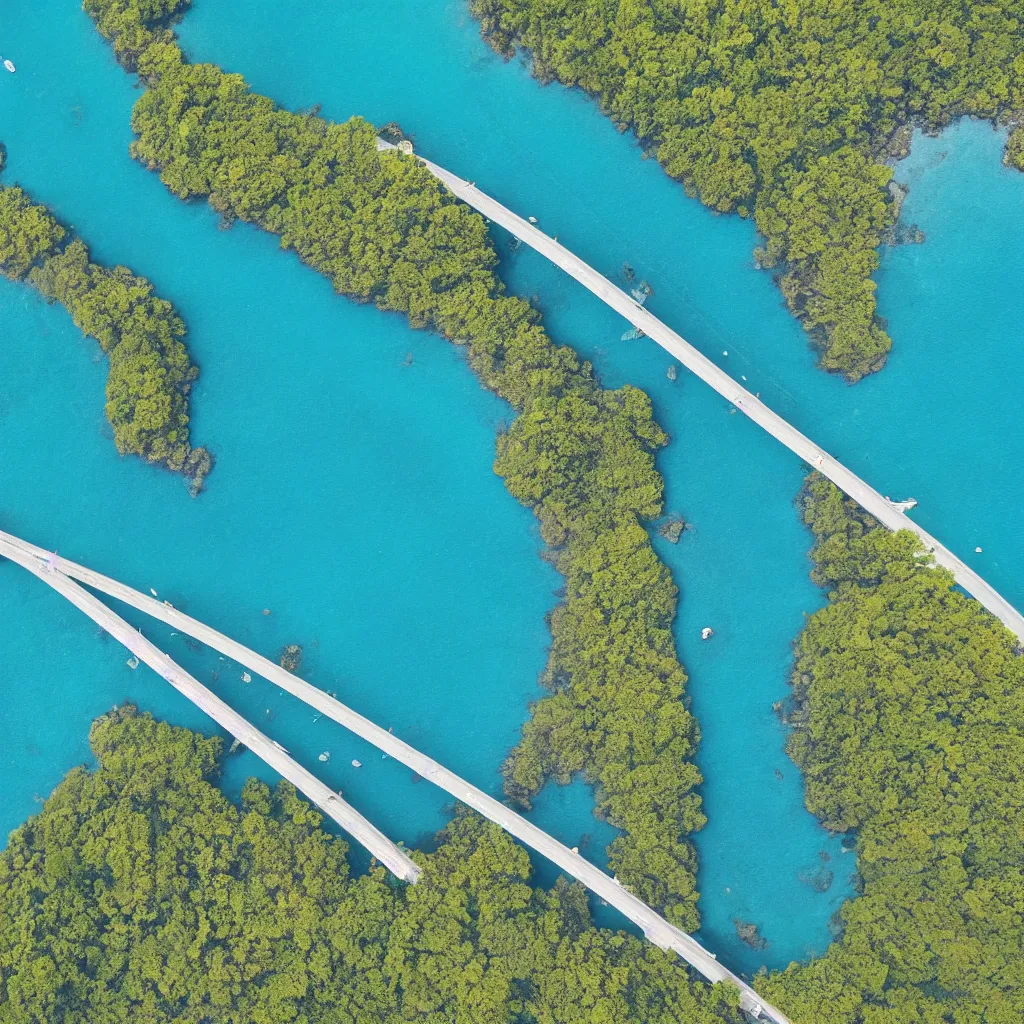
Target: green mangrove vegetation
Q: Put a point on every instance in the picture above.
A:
(142, 895)
(909, 728)
(909, 698)
(786, 111)
(151, 374)
(383, 230)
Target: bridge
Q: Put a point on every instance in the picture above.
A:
(889, 513)
(395, 859)
(62, 574)
(66, 578)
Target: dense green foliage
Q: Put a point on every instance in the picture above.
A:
(28, 233)
(786, 109)
(133, 25)
(141, 894)
(150, 372)
(909, 696)
(382, 228)
(910, 731)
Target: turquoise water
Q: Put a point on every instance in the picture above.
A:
(353, 495)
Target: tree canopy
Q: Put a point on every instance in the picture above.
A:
(151, 374)
(787, 111)
(910, 734)
(384, 230)
(908, 694)
(141, 894)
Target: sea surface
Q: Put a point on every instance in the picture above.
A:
(353, 496)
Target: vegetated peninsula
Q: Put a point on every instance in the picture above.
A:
(141, 894)
(151, 374)
(909, 694)
(910, 734)
(787, 112)
(384, 230)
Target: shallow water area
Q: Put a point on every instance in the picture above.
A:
(354, 495)
(941, 422)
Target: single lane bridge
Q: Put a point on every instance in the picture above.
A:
(60, 572)
(886, 512)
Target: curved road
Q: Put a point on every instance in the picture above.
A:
(655, 927)
(886, 512)
(396, 860)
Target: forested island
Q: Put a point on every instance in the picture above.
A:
(151, 374)
(789, 113)
(141, 895)
(141, 892)
(909, 729)
(384, 230)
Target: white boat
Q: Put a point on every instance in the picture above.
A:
(10, 66)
